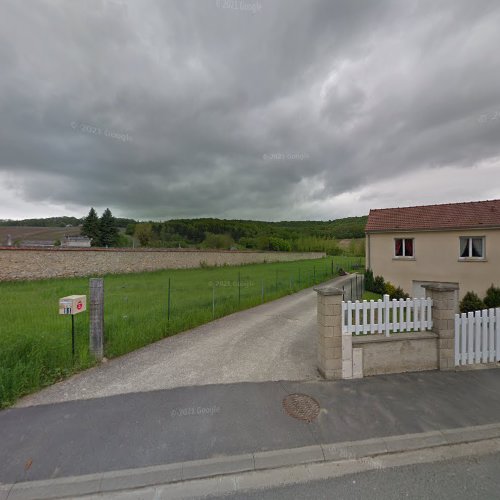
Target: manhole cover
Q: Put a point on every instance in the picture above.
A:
(301, 406)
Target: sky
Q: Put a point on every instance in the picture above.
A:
(247, 109)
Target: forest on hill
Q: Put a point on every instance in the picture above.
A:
(57, 222)
(223, 233)
(260, 235)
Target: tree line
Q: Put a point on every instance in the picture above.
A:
(307, 236)
(259, 235)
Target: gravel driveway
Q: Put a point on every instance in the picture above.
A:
(274, 341)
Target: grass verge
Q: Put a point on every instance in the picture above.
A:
(35, 342)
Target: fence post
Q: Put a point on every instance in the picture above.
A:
(213, 300)
(444, 307)
(387, 319)
(168, 301)
(96, 317)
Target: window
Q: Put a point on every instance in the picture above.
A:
(471, 248)
(403, 247)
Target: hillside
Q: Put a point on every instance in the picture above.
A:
(283, 236)
(333, 236)
(23, 233)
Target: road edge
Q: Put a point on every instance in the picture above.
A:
(114, 481)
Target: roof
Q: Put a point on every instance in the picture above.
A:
(475, 214)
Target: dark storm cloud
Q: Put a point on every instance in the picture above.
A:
(193, 108)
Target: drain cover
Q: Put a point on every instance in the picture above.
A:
(301, 406)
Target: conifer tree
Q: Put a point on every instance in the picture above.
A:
(108, 232)
(91, 228)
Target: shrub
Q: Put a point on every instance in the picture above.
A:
(399, 293)
(279, 244)
(369, 280)
(219, 241)
(390, 289)
(378, 285)
(471, 302)
(492, 298)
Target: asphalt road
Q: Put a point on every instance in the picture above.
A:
(473, 478)
(274, 341)
(193, 423)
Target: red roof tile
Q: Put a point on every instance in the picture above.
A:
(480, 214)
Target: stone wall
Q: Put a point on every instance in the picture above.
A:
(30, 264)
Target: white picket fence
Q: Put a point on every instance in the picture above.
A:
(386, 316)
(477, 337)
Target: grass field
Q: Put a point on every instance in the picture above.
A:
(20, 233)
(35, 342)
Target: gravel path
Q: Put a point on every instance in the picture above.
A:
(274, 341)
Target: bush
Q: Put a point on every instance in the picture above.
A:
(378, 285)
(219, 241)
(369, 280)
(389, 289)
(471, 302)
(279, 244)
(399, 293)
(395, 292)
(492, 298)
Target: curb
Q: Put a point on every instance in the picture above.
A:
(108, 482)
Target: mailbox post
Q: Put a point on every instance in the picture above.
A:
(71, 305)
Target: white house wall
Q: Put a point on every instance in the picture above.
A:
(436, 259)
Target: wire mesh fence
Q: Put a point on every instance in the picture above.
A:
(35, 348)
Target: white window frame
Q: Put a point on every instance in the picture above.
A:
(404, 249)
(470, 256)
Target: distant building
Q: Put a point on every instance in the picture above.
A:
(37, 243)
(76, 241)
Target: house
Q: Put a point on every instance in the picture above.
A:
(452, 243)
(37, 243)
(76, 241)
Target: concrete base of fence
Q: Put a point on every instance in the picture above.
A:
(342, 355)
(399, 353)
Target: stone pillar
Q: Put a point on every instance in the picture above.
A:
(334, 351)
(444, 307)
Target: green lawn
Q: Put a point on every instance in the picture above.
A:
(35, 342)
(371, 296)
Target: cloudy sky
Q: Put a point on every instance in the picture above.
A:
(263, 109)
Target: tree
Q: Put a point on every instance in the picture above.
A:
(144, 234)
(91, 228)
(279, 244)
(108, 232)
(218, 241)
